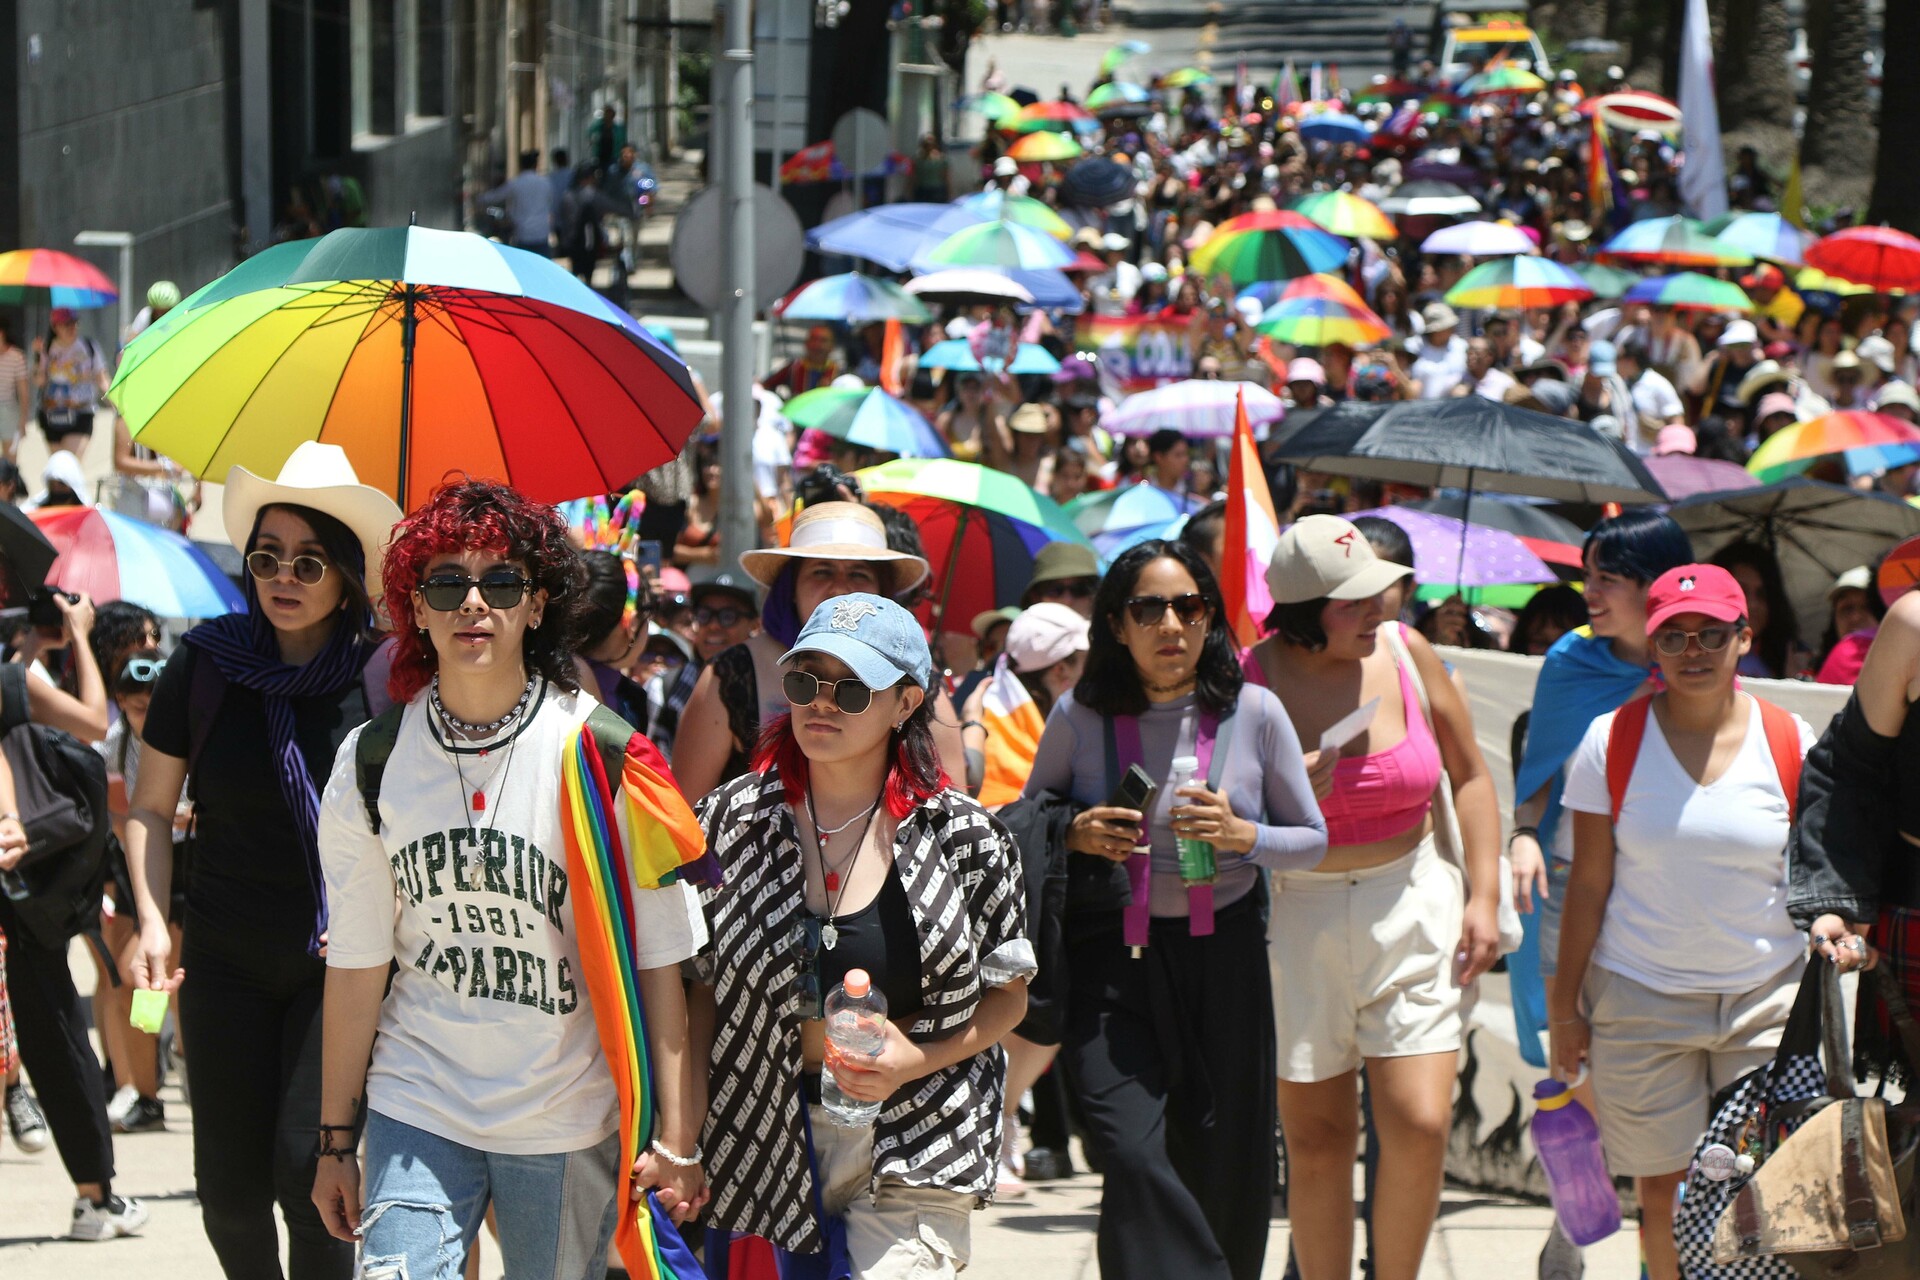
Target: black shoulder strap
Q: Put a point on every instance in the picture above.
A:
(370, 756)
(14, 711)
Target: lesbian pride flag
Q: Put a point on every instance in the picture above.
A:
(1253, 530)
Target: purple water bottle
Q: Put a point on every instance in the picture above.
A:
(1568, 1144)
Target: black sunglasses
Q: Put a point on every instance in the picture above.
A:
(499, 589)
(803, 688)
(704, 616)
(806, 949)
(266, 566)
(1672, 642)
(1146, 611)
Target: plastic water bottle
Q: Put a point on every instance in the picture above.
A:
(1568, 1143)
(1197, 864)
(856, 1025)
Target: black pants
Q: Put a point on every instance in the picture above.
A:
(250, 1017)
(1172, 1058)
(52, 1025)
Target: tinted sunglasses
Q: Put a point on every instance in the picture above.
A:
(724, 617)
(806, 949)
(1671, 643)
(1061, 588)
(1146, 611)
(803, 689)
(266, 566)
(499, 589)
(140, 672)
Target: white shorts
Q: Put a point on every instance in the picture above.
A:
(1362, 964)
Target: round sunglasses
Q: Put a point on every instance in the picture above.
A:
(1191, 609)
(266, 566)
(499, 589)
(138, 673)
(1672, 642)
(803, 689)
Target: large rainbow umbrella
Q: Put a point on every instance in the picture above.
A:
(1056, 116)
(1321, 285)
(997, 244)
(1690, 291)
(1674, 242)
(1316, 322)
(114, 557)
(422, 353)
(868, 417)
(1764, 235)
(1518, 281)
(1346, 214)
(49, 278)
(1605, 281)
(1039, 147)
(1881, 257)
(1273, 244)
(1793, 449)
(997, 205)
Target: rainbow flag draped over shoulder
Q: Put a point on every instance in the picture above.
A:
(1253, 530)
(1013, 723)
(667, 843)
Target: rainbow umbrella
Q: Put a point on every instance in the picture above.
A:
(1764, 235)
(1690, 291)
(1346, 214)
(1793, 449)
(1274, 244)
(421, 353)
(852, 298)
(997, 205)
(1039, 147)
(1503, 78)
(994, 106)
(1605, 281)
(1057, 116)
(1814, 280)
(1881, 257)
(1117, 95)
(1516, 282)
(1481, 239)
(49, 278)
(1673, 241)
(956, 356)
(114, 557)
(1185, 78)
(1120, 53)
(1316, 322)
(868, 417)
(997, 244)
(1320, 285)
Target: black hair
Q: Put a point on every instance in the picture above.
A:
(1388, 540)
(1561, 605)
(1110, 685)
(1876, 605)
(344, 551)
(1640, 544)
(823, 484)
(1298, 624)
(1162, 440)
(1204, 525)
(605, 597)
(1634, 350)
(1783, 628)
(10, 474)
(1715, 440)
(903, 535)
(120, 629)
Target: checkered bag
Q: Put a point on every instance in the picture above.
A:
(1753, 1116)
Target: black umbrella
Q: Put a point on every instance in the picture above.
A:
(27, 555)
(1522, 519)
(1095, 183)
(1816, 531)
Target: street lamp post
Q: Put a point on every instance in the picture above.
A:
(122, 241)
(734, 127)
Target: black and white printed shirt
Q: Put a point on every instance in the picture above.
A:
(964, 885)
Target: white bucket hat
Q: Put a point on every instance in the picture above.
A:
(318, 476)
(837, 531)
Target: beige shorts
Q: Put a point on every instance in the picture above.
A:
(899, 1232)
(1659, 1057)
(1362, 964)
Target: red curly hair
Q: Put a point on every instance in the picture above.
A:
(480, 515)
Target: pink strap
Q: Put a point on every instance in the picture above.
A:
(1138, 915)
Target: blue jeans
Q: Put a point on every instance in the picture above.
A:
(427, 1196)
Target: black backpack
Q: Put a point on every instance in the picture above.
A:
(60, 786)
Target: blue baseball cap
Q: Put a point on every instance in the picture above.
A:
(878, 640)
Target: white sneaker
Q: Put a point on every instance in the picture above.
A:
(119, 1216)
(120, 1106)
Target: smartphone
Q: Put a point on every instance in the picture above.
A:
(648, 557)
(1136, 791)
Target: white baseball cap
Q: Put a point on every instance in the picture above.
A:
(1325, 557)
(1737, 332)
(1044, 634)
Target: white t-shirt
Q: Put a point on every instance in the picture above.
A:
(1655, 397)
(1437, 370)
(486, 1038)
(1699, 901)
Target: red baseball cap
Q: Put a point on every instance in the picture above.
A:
(1764, 276)
(1695, 588)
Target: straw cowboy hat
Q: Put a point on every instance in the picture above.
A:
(837, 531)
(320, 477)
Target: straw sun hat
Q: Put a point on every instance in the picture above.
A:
(320, 477)
(837, 531)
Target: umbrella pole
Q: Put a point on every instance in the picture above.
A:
(953, 566)
(408, 322)
(1466, 519)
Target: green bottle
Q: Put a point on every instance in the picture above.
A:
(1197, 865)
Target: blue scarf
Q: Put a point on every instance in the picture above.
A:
(246, 651)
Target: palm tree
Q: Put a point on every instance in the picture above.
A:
(1896, 184)
(1836, 148)
(1751, 74)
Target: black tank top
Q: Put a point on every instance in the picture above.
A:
(882, 939)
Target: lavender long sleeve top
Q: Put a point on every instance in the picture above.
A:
(1263, 775)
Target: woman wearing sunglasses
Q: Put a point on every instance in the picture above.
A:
(258, 703)
(487, 1078)
(835, 548)
(846, 848)
(1169, 1031)
(1371, 950)
(1678, 962)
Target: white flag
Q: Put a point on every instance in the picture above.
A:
(1703, 179)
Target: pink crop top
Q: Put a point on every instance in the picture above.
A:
(1388, 793)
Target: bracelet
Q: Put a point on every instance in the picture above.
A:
(1522, 831)
(973, 724)
(685, 1162)
(335, 1128)
(329, 1151)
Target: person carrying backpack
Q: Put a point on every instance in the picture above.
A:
(1678, 963)
(71, 376)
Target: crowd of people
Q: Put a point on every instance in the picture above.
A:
(1118, 875)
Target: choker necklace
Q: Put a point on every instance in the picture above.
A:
(1181, 687)
(834, 831)
(477, 730)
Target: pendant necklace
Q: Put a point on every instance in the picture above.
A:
(476, 796)
(835, 886)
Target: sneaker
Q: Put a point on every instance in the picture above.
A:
(1561, 1259)
(1044, 1165)
(146, 1115)
(119, 1216)
(25, 1120)
(121, 1104)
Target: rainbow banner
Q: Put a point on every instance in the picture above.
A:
(1253, 530)
(1135, 353)
(667, 840)
(1013, 723)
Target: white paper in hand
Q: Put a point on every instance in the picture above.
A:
(1348, 727)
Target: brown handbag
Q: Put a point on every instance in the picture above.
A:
(1837, 1199)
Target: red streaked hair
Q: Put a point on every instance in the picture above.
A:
(914, 777)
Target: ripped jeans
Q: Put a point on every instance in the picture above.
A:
(426, 1197)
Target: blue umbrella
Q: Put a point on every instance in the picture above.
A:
(891, 235)
(1051, 289)
(1767, 235)
(853, 298)
(869, 417)
(956, 355)
(1115, 519)
(1334, 127)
